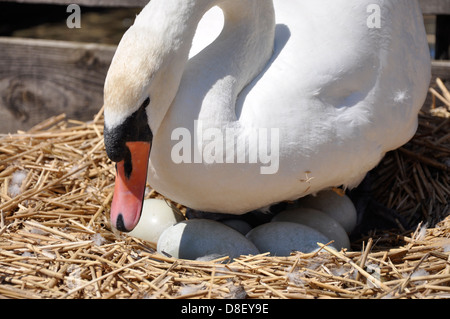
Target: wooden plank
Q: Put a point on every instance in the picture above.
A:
(441, 69)
(428, 6)
(435, 6)
(91, 3)
(42, 78)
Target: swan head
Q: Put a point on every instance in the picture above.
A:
(139, 88)
(128, 144)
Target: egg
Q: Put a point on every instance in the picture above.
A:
(317, 220)
(156, 216)
(241, 226)
(281, 238)
(196, 238)
(339, 207)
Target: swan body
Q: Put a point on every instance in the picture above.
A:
(292, 97)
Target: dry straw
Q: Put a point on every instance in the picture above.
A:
(56, 185)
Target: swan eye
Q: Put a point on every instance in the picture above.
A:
(146, 102)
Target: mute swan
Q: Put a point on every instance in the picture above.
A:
(291, 98)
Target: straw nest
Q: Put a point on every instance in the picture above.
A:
(56, 185)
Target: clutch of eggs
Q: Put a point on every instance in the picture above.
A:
(322, 218)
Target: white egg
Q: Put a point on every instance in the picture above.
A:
(156, 216)
(317, 220)
(196, 238)
(339, 207)
(281, 238)
(241, 226)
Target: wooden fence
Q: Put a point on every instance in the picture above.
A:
(41, 78)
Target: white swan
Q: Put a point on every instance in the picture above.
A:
(329, 85)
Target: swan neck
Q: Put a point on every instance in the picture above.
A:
(246, 42)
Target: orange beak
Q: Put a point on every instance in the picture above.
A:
(129, 189)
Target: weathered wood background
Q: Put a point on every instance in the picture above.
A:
(41, 78)
(93, 3)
